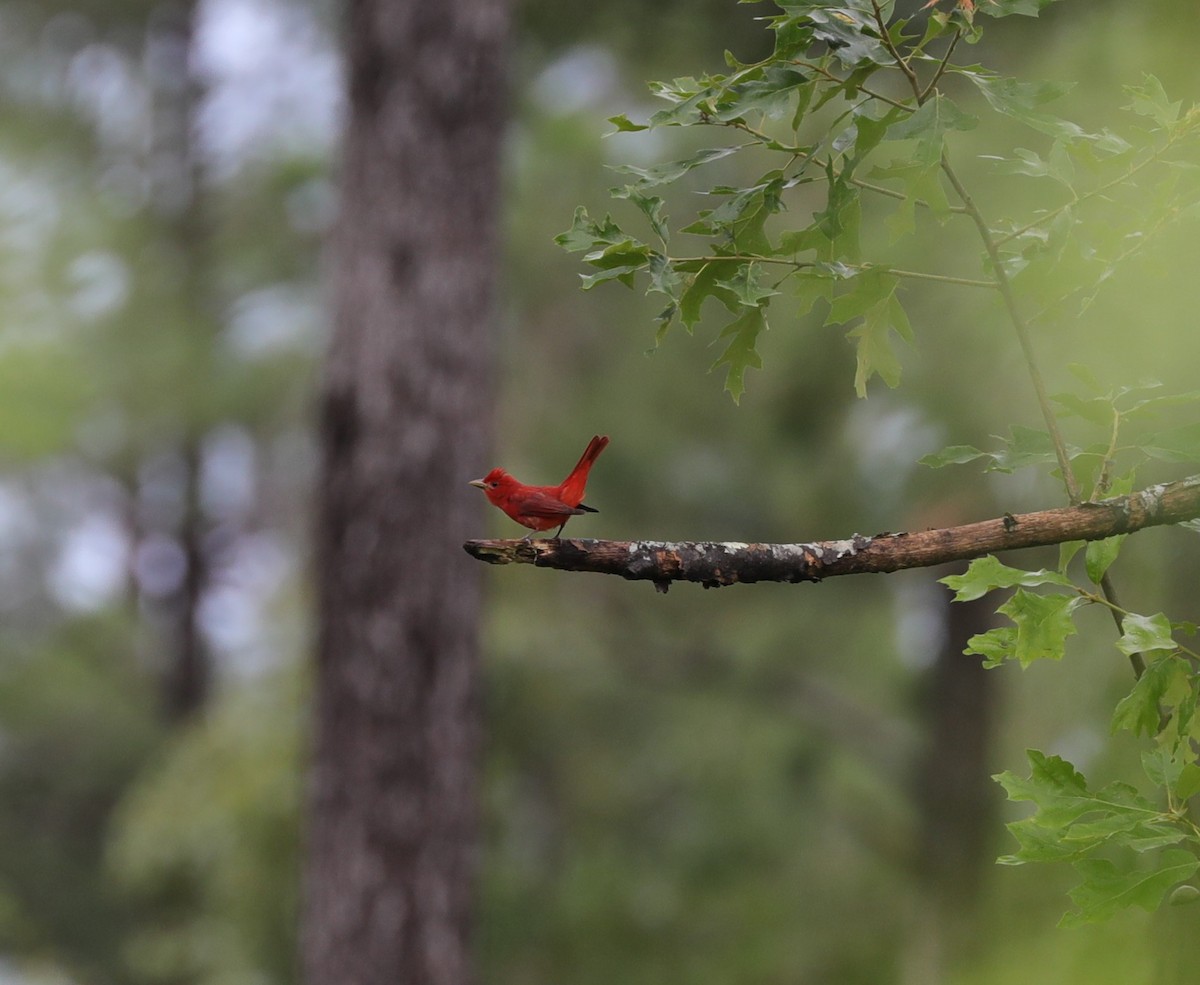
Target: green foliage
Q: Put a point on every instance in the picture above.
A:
(205, 832)
(815, 107)
(852, 130)
(1075, 824)
(78, 720)
(810, 106)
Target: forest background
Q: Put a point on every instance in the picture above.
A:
(768, 783)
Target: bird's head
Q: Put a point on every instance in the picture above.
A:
(494, 483)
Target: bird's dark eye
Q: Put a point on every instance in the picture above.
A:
(493, 485)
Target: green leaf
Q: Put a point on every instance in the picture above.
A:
(1097, 410)
(951, 455)
(1181, 444)
(623, 124)
(839, 220)
(650, 205)
(1054, 785)
(1150, 100)
(850, 34)
(868, 133)
(745, 286)
(1183, 895)
(922, 181)
(664, 279)
(1021, 101)
(1025, 447)
(866, 290)
(902, 221)
(986, 574)
(808, 289)
(995, 646)
(1139, 710)
(874, 354)
(1142, 634)
(616, 261)
(1100, 555)
(1188, 783)
(929, 125)
(745, 206)
(1163, 767)
(586, 233)
(766, 90)
(688, 98)
(1043, 624)
(662, 174)
(1107, 888)
(740, 353)
(1067, 551)
(704, 285)
(1003, 8)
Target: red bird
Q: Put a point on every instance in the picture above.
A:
(543, 507)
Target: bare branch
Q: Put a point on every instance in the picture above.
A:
(717, 564)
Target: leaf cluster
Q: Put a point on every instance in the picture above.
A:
(851, 111)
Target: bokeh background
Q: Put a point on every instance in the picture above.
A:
(754, 785)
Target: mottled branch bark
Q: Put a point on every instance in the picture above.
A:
(716, 564)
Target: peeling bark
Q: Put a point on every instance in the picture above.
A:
(715, 564)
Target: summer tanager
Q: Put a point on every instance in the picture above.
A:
(543, 507)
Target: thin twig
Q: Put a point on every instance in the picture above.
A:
(858, 267)
(941, 69)
(901, 62)
(1136, 660)
(882, 190)
(1022, 329)
(832, 77)
(990, 285)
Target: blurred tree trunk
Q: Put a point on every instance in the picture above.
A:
(404, 424)
(957, 801)
(181, 203)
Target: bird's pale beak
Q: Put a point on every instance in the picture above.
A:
(477, 483)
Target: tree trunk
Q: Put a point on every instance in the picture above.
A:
(392, 832)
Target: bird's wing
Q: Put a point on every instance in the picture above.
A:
(543, 505)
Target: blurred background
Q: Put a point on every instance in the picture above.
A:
(754, 785)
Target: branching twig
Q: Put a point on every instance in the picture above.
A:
(1129, 173)
(717, 564)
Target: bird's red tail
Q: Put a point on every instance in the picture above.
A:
(572, 488)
